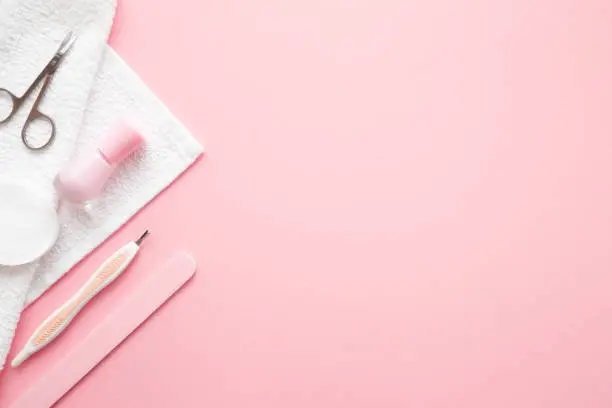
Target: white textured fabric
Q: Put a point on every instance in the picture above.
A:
(92, 90)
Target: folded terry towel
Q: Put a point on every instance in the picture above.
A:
(92, 90)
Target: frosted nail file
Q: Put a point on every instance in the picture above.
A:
(103, 339)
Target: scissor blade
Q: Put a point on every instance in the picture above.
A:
(66, 44)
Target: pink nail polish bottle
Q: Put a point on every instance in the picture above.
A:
(84, 177)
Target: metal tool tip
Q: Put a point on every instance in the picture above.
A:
(142, 237)
(67, 43)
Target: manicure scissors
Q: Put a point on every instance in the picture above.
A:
(36, 115)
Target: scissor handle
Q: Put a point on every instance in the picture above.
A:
(33, 117)
(15, 103)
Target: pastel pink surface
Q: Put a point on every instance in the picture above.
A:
(403, 204)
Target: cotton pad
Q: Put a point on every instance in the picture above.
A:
(28, 225)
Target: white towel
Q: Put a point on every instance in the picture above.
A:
(92, 90)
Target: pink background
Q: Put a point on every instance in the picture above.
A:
(404, 204)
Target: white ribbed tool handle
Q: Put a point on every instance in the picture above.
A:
(59, 320)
